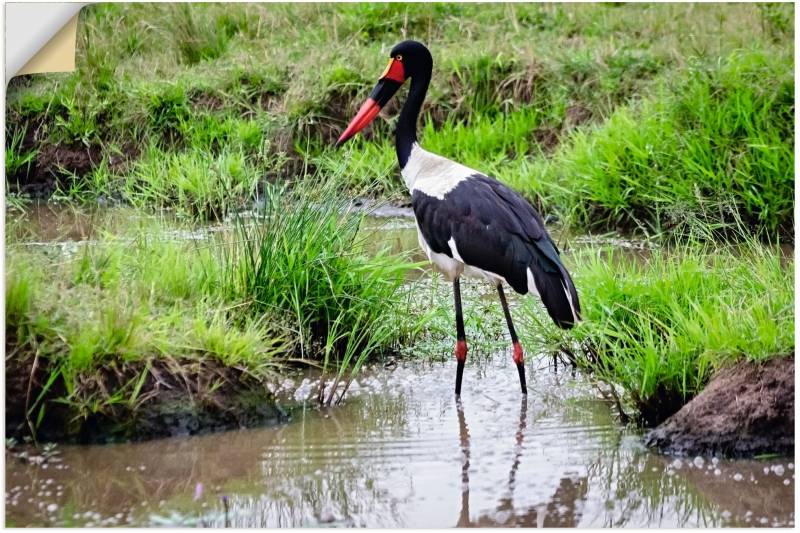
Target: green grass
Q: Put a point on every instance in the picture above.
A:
(199, 183)
(301, 257)
(18, 160)
(659, 326)
(291, 284)
(612, 116)
(119, 304)
(723, 134)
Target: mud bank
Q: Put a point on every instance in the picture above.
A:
(746, 409)
(134, 401)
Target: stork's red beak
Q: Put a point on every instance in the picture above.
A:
(388, 84)
(369, 110)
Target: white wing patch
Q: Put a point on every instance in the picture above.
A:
(571, 305)
(532, 284)
(453, 250)
(451, 268)
(473, 271)
(433, 174)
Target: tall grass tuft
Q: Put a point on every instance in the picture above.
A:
(300, 257)
(205, 39)
(17, 158)
(23, 287)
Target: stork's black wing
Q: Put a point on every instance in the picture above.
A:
(497, 230)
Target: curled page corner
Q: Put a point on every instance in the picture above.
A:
(40, 37)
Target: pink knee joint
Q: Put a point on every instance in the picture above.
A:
(461, 351)
(518, 353)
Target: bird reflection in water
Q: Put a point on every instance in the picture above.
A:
(562, 510)
(463, 433)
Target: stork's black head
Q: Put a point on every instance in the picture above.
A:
(407, 59)
(416, 58)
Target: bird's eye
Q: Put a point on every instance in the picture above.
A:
(399, 57)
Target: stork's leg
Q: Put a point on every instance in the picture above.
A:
(461, 338)
(518, 359)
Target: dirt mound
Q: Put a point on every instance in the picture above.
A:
(745, 410)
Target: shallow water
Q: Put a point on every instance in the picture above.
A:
(400, 451)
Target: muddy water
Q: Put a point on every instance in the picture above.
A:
(401, 451)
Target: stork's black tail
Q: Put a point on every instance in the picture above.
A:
(554, 285)
(559, 296)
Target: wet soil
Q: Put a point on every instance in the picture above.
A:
(746, 409)
(54, 165)
(175, 397)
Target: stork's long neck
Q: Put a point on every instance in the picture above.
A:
(406, 134)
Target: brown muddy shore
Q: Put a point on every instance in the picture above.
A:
(175, 398)
(745, 410)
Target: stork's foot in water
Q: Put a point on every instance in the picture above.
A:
(520, 362)
(461, 358)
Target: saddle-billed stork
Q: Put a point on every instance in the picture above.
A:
(468, 223)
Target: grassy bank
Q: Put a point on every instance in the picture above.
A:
(630, 116)
(673, 120)
(116, 334)
(659, 326)
(111, 321)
